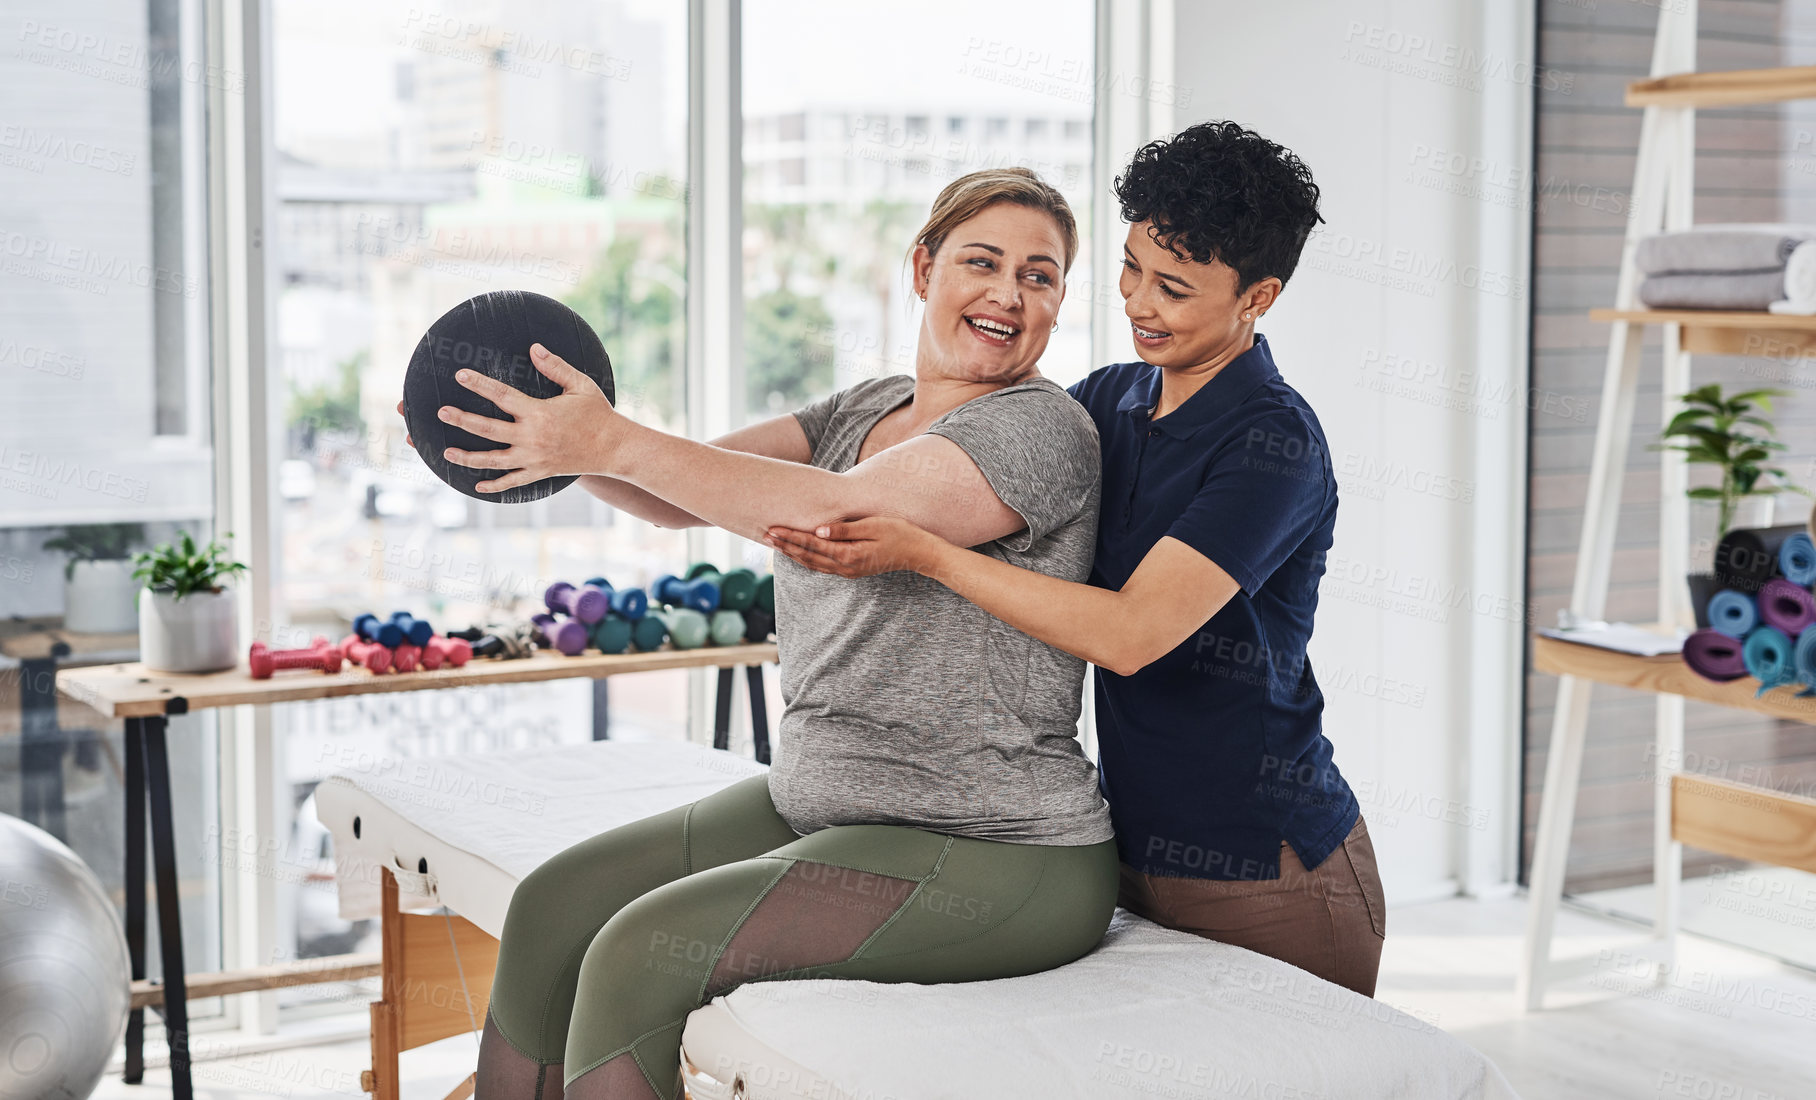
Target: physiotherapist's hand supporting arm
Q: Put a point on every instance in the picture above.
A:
(1171, 594)
(927, 479)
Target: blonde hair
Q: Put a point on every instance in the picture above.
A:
(968, 196)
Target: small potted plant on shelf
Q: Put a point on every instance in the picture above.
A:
(98, 585)
(188, 618)
(1725, 431)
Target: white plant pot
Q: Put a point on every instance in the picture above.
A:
(98, 598)
(198, 633)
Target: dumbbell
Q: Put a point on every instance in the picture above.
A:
(371, 628)
(701, 596)
(766, 593)
(737, 588)
(726, 627)
(648, 633)
(758, 625)
(629, 603)
(588, 604)
(320, 654)
(440, 651)
(687, 628)
(565, 635)
(373, 657)
(508, 642)
(416, 631)
(406, 657)
(612, 634)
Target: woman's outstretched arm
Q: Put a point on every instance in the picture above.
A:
(1172, 593)
(779, 437)
(928, 480)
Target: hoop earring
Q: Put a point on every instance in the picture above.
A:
(1055, 327)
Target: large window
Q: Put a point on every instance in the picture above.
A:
(426, 154)
(855, 116)
(105, 433)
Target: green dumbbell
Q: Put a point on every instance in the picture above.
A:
(766, 593)
(612, 634)
(737, 587)
(726, 627)
(687, 628)
(648, 633)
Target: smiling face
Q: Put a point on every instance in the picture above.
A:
(993, 292)
(1185, 314)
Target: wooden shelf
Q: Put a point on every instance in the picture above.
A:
(1666, 675)
(1726, 332)
(133, 691)
(1734, 88)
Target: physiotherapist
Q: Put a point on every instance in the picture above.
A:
(1232, 819)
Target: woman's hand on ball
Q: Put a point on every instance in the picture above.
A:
(569, 433)
(860, 547)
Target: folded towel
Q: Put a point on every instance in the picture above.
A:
(1799, 281)
(1755, 291)
(1729, 247)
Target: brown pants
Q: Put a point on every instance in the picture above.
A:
(1330, 921)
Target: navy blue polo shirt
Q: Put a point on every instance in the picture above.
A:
(1215, 753)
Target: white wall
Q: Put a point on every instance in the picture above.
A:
(1419, 637)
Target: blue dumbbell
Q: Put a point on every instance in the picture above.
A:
(700, 595)
(416, 631)
(371, 628)
(626, 603)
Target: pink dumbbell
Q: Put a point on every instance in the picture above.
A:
(405, 657)
(376, 658)
(320, 654)
(452, 652)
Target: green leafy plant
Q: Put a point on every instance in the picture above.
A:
(96, 542)
(184, 568)
(1716, 430)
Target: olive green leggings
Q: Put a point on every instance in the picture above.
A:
(610, 944)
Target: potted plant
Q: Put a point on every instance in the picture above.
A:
(1725, 431)
(188, 618)
(98, 585)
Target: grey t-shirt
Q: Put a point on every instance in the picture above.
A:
(909, 705)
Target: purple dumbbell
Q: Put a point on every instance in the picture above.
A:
(567, 635)
(589, 605)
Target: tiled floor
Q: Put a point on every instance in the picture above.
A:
(1725, 1023)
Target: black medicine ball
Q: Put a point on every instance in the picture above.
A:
(492, 334)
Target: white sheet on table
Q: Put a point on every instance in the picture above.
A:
(482, 822)
(1150, 1013)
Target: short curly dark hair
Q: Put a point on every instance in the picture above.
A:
(1217, 191)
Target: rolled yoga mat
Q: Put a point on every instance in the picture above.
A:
(1797, 559)
(492, 334)
(1714, 655)
(1769, 658)
(1786, 607)
(1803, 660)
(1747, 557)
(1733, 613)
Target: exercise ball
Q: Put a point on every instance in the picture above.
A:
(65, 978)
(492, 334)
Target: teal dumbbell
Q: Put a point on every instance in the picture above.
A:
(612, 634)
(737, 587)
(726, 627)
(648, 633)
(687, 628)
